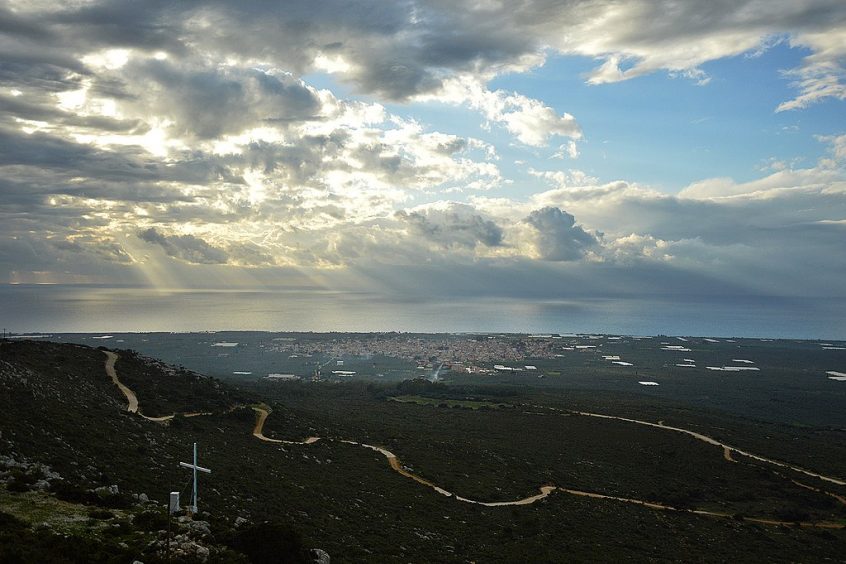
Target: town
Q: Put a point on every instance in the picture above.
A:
(459, 353)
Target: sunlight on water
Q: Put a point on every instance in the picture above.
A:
(93, 309)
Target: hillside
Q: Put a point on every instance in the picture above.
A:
(372, 483)
(87, 481)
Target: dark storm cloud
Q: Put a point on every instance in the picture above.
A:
(22, 194)
(21, 27)
(209, 103)
(299, 162)
(35, 73)
(42, 150)
(186, 247)
(26, 157)
(153, 25)
(558, 236)
(19, 107)
(105, 250)
(543, 280)
(754, 222)
(82, 255)
(456, 226)
(399, 49)
(249, 254)
(396, 79)
(194, 250)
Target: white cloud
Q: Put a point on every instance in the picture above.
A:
(529, 120)
(568, 150)
(822, 74)
(169, 120)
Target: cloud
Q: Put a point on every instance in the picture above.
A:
(822, 74)
(207, 104)
(411, 48)
(557, 237)
(186, 247)
(195, 133)
(529, 120)
(761, 235)
(452, 225)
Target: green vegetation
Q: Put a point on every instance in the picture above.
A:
(57, 407)
(21, 543)
(165, 390)
(443, 402)
(271, 542)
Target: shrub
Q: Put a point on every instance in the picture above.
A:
(70, 492)
(20, 481)
(151, 520)
(270, 543)
(100, 514)
(792, 514)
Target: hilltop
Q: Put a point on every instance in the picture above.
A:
(86, 480)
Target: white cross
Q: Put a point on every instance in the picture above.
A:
(194, 467)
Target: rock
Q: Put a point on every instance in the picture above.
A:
(104, 490)
(239, 521)
(182, 547)
(143, 498)
(199, 528)
(320, 556)
(202, 553)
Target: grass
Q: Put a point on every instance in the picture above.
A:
(36, 508)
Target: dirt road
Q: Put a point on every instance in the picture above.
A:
(262, 414)
(258, 430)
(132, 400)
(727, 449)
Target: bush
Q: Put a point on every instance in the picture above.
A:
(100, 514)
(18, 486)
(20, 481)
(271, 543)
(114, 501)
(792, 514)
(72, 493)
(117, 529)
(151, 521)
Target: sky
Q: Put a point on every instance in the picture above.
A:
(427, 149)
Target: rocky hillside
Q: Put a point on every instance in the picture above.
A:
(83, 480)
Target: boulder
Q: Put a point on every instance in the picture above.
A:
(200, 528)
(320, 556)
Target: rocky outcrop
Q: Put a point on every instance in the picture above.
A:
(320, 556)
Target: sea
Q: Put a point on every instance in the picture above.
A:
(66, 309)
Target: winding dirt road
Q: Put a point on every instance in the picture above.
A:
(263, 412)
(393, 461)
(131, 399)
(727, 449)
(258, 430)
